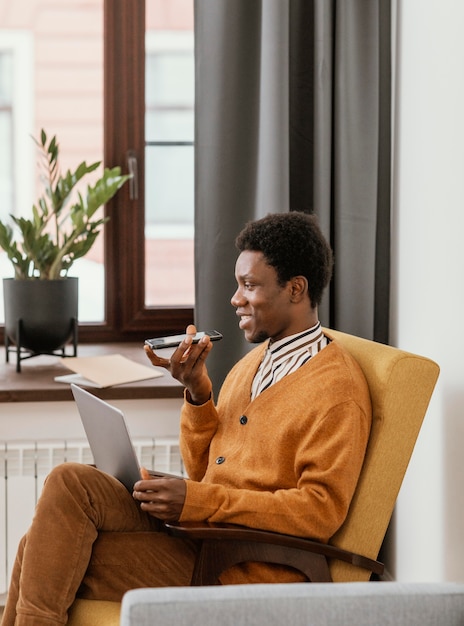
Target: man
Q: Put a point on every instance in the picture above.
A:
(281, 450)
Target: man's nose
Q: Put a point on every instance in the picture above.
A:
(237, 298)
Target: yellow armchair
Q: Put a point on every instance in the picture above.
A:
(401, 385)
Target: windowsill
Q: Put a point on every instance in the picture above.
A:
(35, 382)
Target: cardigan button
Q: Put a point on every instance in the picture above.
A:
(243, 420)
(220, 460)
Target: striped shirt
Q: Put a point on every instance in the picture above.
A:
(286, 356)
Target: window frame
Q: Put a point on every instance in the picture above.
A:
(127, 316)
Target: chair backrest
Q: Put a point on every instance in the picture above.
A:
(401, 385)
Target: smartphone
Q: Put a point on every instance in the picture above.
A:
(174, 340)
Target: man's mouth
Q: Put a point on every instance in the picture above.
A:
(244, 319)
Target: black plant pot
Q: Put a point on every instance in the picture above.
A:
(40, 315)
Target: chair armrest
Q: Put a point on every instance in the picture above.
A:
(234, 532)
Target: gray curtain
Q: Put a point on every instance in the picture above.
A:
(293, 113)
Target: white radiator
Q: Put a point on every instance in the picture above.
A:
(24, 466)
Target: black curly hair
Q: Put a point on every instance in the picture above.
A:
(294, 245)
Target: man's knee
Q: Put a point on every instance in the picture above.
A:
(70, 472)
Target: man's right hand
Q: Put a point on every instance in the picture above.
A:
(187, 365)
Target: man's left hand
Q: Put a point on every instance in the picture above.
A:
(162, 498)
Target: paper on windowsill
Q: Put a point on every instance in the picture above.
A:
(105, 371)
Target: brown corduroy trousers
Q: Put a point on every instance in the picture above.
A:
(89, 539)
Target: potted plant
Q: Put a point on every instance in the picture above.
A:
(41, 299)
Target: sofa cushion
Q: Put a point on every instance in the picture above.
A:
(323, 604)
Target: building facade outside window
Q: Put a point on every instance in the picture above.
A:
(16, 114)
(169, 128)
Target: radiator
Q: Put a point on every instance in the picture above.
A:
(24, 466)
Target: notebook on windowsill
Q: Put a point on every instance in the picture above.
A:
(105, 371)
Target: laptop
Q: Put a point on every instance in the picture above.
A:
(109, 438)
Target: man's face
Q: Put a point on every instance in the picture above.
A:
(264, 306)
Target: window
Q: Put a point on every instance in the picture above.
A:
(169, 187)
(129, 315)
(55, 55)
(135, 305)
(16, 175)
(7, 189)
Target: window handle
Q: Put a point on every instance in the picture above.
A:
(133, 182)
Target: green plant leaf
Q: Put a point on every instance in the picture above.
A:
(59, 232)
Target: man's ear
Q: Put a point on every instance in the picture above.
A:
(299, 288)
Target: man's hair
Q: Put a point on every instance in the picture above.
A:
(294, 245)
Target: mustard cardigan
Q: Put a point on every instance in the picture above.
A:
(287, 461)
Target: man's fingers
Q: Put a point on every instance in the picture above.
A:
(156, 360)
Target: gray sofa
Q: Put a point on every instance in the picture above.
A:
(345, 604)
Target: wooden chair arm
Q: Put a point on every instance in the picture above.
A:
(240, 534)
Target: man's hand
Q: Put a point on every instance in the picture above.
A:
(162, 498)
(187, 365)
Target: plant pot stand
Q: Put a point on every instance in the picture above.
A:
(23, 353)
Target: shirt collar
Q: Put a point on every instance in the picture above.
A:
(305, 338)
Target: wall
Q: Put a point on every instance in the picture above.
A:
(44, 420)
(427, 292)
